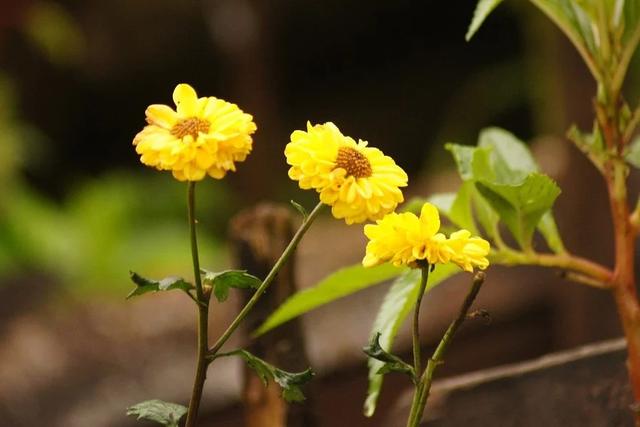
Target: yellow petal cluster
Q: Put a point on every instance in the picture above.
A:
(405, 239)
(359, 182)
(202, 136)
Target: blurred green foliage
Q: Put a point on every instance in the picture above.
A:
(106, 227)
(55, 33)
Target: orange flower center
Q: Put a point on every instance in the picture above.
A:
(354, 162)
(191, 126)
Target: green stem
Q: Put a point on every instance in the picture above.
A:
(203, 315)
(417, 368)
(625, 60)
(601, 276)
(267, 281)
(424, 385)
(416, 320)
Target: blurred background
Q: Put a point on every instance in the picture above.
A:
(78, 210)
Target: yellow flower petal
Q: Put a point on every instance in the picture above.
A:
(430, 218)
(161, 115)
(358, 182)
(186, 100)
(206, 136)
(405, 239)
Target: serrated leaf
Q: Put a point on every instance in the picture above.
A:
(522, 205)
(165, 413)
(500, 159)
(290, 382)
(337, 285)
(392, 363)
(300, 209)
(395, 308)
(482, 11)
(145, 285)
(633, 155)
(223, 280)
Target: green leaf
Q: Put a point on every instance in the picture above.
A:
(464, 156)
(392, 363)
(395, 308)
(510, 158)
(487, 217)
(145, 285)
(631, 15)
(290, 382)
(575, 22)
(223, 280)
(165, 413)
(522, 205)
(483, 9)
(501, 159)
(300, 209)
(633, 155)
(549, 231)
(337, 285)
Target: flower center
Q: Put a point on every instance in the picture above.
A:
(354, 162)
(191, 126)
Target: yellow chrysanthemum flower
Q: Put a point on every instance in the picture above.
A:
(357, 181)
(203, 136)
(405, 239)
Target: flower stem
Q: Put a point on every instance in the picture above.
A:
(424, 385)
(417, 368)
(203, 315)
(416, 320)
(267, 281)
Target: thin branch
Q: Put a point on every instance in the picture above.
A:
(267, 281)
(600, 276)
(634, 218)
(625, 59)
(438, 355)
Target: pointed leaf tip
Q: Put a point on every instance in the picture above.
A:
(482, 11)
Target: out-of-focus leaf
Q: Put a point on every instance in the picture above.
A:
(395, 307)
(337, 285)
(457, 206)
(54, 31)
(633, 155)
(576, 23)
(223, 280)
(392, 363)
(290, 382)
(144, 285)
(165, 413)
(482, 11)
(511, 159)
